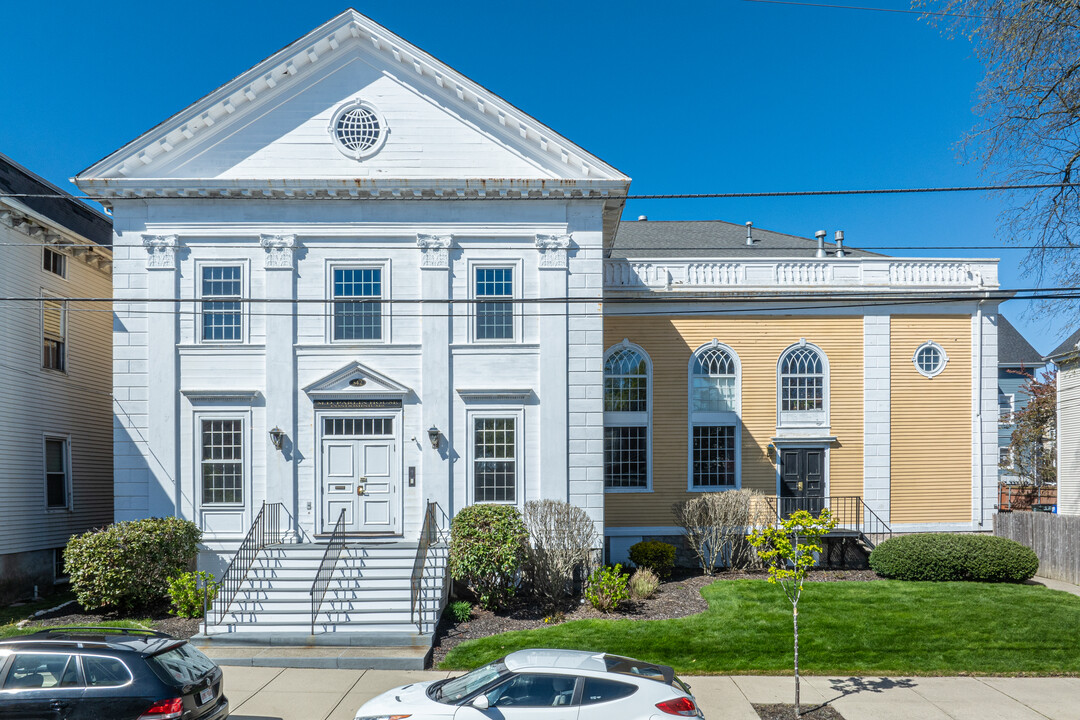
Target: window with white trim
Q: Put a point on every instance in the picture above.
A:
(1005, 407)
(54, 334)
(53, 262)
(222, 465)
(803, 386)
(57, 474)
(1005, 458)
(494, 457)
(494, 294)
(357, 303)
(221, 288)
(714, 418)
(627, 374)
(930, 359)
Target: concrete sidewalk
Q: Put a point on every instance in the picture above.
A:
(306, 694)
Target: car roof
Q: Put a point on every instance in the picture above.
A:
(539, 658)
(142, 642)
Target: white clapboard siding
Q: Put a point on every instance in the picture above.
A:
(37, 402)
(1068, 438)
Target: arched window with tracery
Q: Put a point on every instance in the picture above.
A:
(627, 417)
(803, 387)
(714, 418)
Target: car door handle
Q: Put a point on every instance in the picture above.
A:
(59, 704)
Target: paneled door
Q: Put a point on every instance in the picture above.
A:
(359, 478)
(802, 480)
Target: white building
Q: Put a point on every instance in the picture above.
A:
(55, 376)
(1066, 357)
(413, 220)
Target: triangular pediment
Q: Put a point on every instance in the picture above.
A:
(271, 130)
(358, 381)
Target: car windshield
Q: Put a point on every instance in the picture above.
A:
(183, 664)
(453, 690)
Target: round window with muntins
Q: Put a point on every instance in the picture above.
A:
(358, 129)
(930, 359)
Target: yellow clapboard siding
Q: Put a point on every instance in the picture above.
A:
(758, 341)
(930, 422)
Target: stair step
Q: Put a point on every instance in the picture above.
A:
(408, 657)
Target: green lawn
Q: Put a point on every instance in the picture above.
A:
(850, 628)
(12, 614)
(7, 631)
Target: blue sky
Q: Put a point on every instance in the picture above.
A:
(727, 96)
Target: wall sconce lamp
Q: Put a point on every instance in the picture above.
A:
(277, 437)
(433, 435)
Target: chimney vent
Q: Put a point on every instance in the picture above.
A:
(839, 243)
(820, 235)
(642, 217)
(750, 233)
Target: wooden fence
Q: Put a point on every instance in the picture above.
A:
(1054, 538)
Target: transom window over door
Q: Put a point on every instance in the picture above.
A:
(803, 386)
(357, 303)
(222, 462)
(222, 317)
(626, 418)
(714, 418)
(495, 459)
(494, 292)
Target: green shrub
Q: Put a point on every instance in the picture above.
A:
(655, 555)
(461, 611)
(643, 583)
(487, 546)
(607, 588)
(943, 556)
(128, 564)
(186, 593)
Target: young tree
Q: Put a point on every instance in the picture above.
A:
(1031, 447)
(1029, 103)
(790, 551)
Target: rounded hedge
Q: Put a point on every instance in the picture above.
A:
(655, 555)
(488, 544)
(941, 557)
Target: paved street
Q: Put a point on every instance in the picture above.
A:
(306, 694)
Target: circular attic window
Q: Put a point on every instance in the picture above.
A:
(358, 129)
(930, 359)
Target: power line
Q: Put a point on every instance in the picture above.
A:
(1007, 18)
(573, 198)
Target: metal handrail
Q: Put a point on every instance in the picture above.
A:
(850, 512)
(429, 533)
(326, 567)
(265, 530)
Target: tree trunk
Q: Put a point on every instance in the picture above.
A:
(795, 620)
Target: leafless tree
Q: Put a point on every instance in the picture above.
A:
(1029, 128)
(716, 526)
(562, 538)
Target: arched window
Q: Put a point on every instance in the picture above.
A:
(714, 418)
(803, 387)
(627, 400)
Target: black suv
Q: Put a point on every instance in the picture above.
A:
(96, 673)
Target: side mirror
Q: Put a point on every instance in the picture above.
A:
(480, 702)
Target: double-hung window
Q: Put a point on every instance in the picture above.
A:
(803, 387)
(222, 315)
(357, 306)
(714, 418)
(495, 459)
(494, 295)
(53, 262)
(54, 334)
(222, 466)
(626, 418)
(57, 473)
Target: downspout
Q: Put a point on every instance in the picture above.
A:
(978, 411)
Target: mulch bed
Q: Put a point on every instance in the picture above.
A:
(787, 712)
(161, 619)
(678, 597)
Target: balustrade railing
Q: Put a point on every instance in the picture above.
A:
(265, 530)
(326, 567)
(429, 535)
(850, 512)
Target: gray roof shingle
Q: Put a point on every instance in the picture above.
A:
(1067, 347)
(68, 212)
(711, 238)
(1013, 348)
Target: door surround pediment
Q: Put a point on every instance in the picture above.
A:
(356, 381)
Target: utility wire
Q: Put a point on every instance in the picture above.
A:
(584, 197)
(1005, 18)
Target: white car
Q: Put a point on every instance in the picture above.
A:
(544, 685)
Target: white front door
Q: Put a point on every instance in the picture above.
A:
(359, 478)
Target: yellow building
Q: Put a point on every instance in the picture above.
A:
(821, 376)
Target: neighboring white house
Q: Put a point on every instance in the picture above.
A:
(413, 220)
(1066, 357)
(1018, 362)
(55, 378)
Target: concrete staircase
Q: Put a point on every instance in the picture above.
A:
(364, 621)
